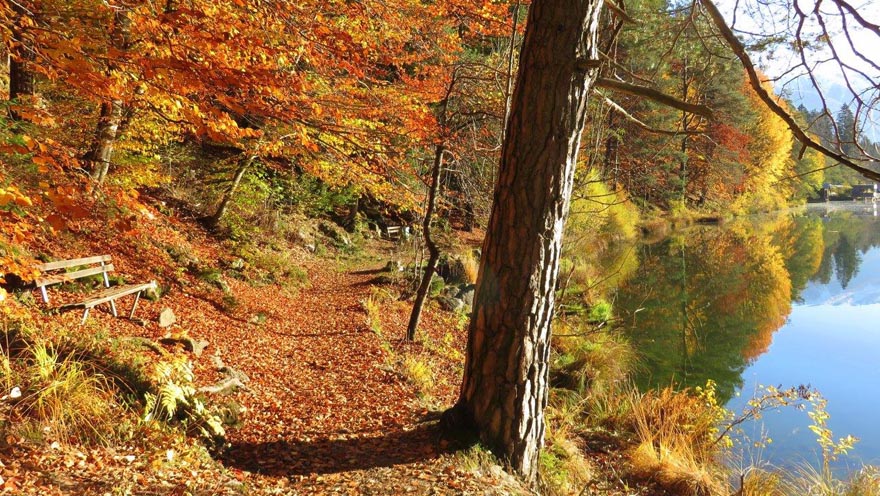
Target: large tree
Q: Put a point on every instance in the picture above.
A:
(505, 388)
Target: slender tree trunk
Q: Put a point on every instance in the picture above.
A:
(101, 150)
(112, 110)
(505, 386)
(21, 58)
(243, 166)
(508, 89)
(682, 167)
(433, 251)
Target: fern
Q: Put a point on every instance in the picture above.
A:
(175, 400)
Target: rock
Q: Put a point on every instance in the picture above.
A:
(335, 233)
(305, 239)
(466, 294)
(167, 318)
(393, 266)
(222, 285)
(152, 294)
(237, 264)
(225, 386)
(450, 304)
(196, 346)
(451, 269)
(217, 362)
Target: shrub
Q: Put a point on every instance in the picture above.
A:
(175, 400)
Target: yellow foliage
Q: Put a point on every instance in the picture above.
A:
(771, 160)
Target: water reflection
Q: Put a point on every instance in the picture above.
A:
(708, 302)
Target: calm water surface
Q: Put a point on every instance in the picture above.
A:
(783, 300)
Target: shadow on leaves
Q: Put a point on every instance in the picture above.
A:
(326, 456)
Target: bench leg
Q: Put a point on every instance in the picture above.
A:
(85, 316)
(113, 308)
(137, 297)
(45, 294)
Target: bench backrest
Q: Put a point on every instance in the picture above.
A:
(394, 232)
(101, 264)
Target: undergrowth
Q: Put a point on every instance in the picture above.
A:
(75, 387)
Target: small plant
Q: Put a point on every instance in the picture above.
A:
(601, 311)
(420, 374)
(372, 307)
(175, 400)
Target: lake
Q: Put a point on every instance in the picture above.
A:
(786, 300)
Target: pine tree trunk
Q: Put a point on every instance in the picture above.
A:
(21, 75)
(505, 386)
(433, 251)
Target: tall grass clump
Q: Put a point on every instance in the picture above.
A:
(61, 393)
(676, 434)
(586, 359)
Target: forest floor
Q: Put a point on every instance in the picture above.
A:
(328, 409)
(337, 401)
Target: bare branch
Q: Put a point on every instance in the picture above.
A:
(655, 95)
(755, 82)
(639, 123)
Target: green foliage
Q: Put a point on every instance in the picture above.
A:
(420, 374)
(437, 286)
(175, 400)
(597, 209)
(601, 311)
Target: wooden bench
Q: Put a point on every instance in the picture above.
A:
(90, 266)
(395, 232)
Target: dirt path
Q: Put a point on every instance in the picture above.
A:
(324, 412)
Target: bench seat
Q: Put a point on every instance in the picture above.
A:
(107, 295)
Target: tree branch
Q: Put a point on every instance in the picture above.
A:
(755, 82)
(652, 94)
(639, 123)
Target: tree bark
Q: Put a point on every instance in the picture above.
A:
(433, 251)
(505, 386)
(243, 166)
(112, 110)
(101, 151)
(21, 57)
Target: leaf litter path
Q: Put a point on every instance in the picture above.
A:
(323, 414)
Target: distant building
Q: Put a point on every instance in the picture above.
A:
(865, 192)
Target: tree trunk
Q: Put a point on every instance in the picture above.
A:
(101, 151)
(508, 89)
(21, 56)
(112, 109)
(505, 386)
(214, 220)
(433, 251)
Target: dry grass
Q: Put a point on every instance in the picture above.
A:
(808, 480)
(676, 442)
(470, 266)
(70, 401)
(563, 467)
